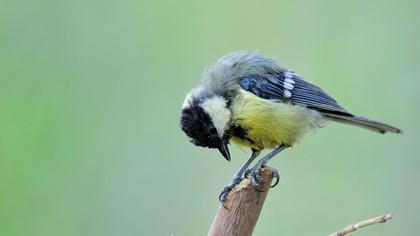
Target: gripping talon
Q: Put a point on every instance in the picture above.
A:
(224, 194)
(247, 173)
(226, 190)
(253, 175)
(275, 176)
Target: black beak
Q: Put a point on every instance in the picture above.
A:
(223, 148)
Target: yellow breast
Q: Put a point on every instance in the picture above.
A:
(270, 123)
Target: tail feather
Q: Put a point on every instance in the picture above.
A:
(363, 122)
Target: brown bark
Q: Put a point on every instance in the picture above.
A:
(242, 208)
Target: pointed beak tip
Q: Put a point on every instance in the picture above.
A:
(224, 150)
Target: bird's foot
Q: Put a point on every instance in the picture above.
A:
(226, 190)
(256, 179)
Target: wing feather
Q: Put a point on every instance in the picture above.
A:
(286, 86)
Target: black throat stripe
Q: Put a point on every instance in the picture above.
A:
(239, 132)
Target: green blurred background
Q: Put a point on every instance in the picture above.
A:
(90, 96)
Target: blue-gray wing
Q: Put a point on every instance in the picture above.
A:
(290, 88)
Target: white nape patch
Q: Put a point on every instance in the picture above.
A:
(189, 98)
(218, 112)
(187, 101)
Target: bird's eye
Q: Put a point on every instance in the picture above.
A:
(213, 130)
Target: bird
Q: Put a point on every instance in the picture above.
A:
(251, 101)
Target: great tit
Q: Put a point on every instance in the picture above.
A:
(250, 100)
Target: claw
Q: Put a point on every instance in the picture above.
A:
(247, 173)
(223, 196)
(225, 192)
(253, 175)
(275, 176)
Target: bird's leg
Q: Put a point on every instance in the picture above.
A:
(237, 178)
(253, 173)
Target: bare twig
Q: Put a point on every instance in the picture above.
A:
(243, 207)
(354, 227)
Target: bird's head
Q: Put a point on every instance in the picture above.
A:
(206, 120)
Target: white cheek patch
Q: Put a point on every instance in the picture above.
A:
(218, 112)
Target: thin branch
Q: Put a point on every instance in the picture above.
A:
(371, 221)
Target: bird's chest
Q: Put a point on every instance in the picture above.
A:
(268, 124)
(259, 132)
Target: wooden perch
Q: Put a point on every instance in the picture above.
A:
(242, 207)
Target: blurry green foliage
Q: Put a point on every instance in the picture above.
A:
(90, 94)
